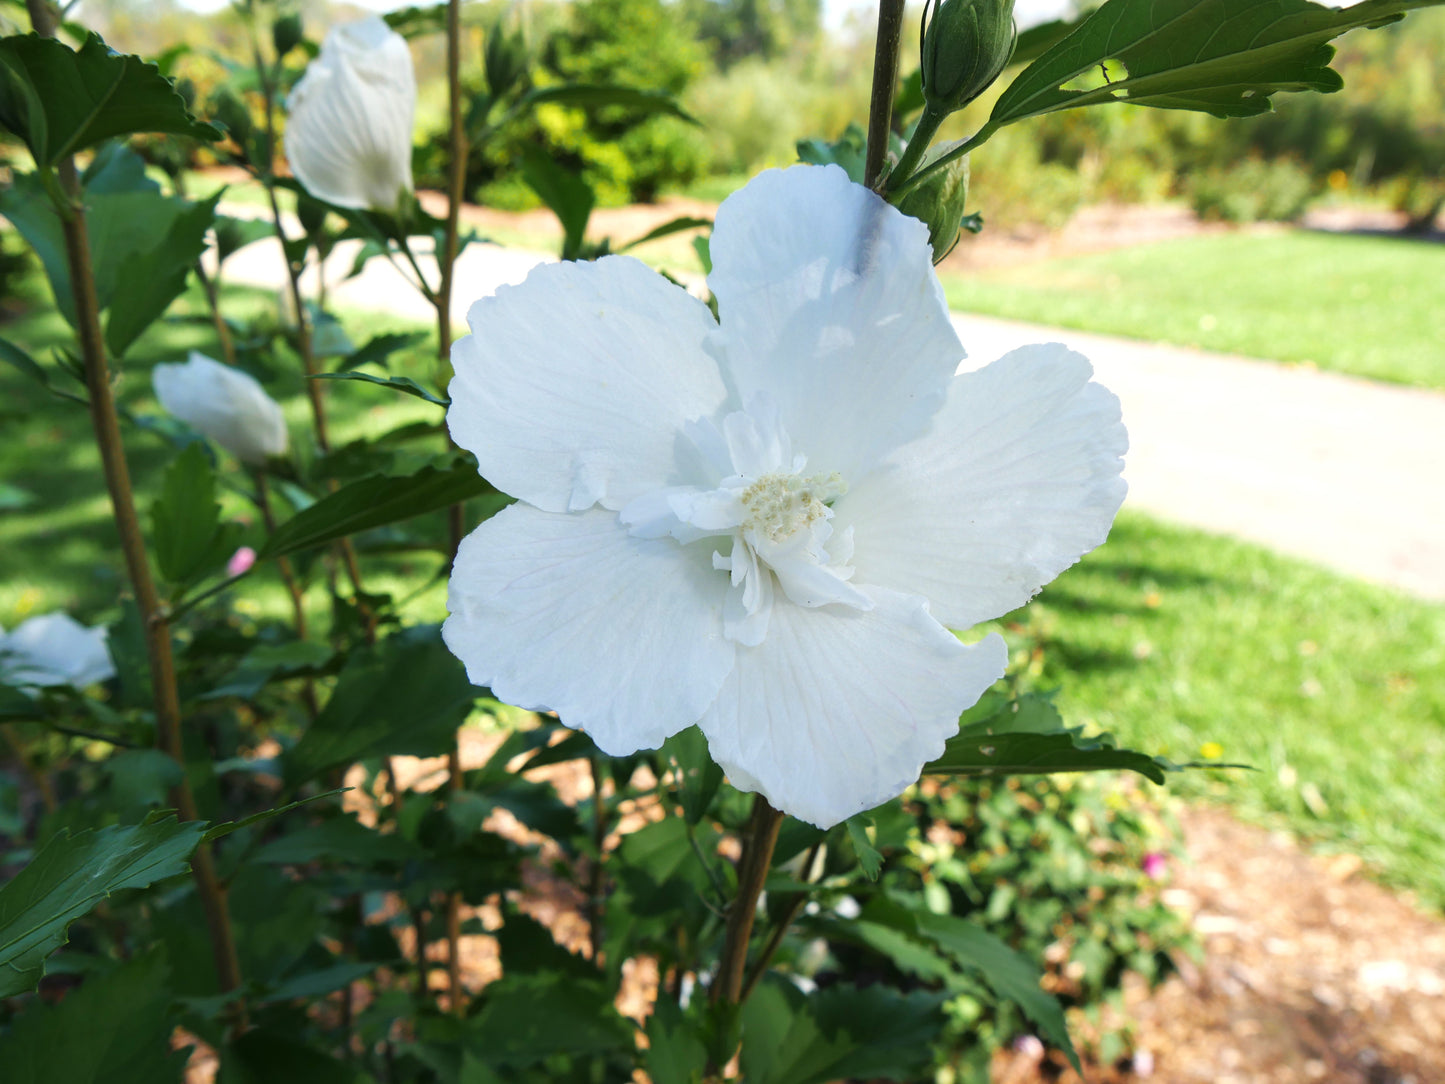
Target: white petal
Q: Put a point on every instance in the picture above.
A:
(620, 636)
(55, 649)
(573, 387)
(838, 709)
(224, 404)
(829, 304)
(1017, 478)
(350, 118)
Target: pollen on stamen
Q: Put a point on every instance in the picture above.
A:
(779, 505)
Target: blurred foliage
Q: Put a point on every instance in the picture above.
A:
(1255, 190)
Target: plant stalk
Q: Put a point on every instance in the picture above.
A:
(293, 586)
(885, 80)
(753, 866)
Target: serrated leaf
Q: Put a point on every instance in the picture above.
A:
(676, 1053)
(868, 856)
(216, 831)
(380, 500)
(406, 694)
(1006, 972)
(69, 877)
(1028, 737)
(1224, 57)
(59, 100)
(699, 776)
(839, 1033)
(188, 538)
(565, 193)
(115, 1029)
(529, 1018)
(404, 384)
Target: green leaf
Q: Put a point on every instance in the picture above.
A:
(378, 501)
(1224, 57)
(699, 776)
(868, 856)
(341, 838)
(216, 831)
(1028, 737)
(189, 540)
(405, 695)
(142, 246)
(592, 95)
(69, 877)
(529, 1018)
(676, 1053)
(403, 384)
(274, 1057)
(839, 1033)
(116, 168)
(1006, 972)
(115, 1029)
(667, 229)
(379, 348)
(568, 196)
(60, 101)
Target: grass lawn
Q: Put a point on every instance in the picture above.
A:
(1357, 304)
(1334, 690)
(1169, 638)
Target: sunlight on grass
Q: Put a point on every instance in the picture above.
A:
(1362, 305)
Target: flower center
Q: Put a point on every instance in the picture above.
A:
(777, 506)
(771, 518)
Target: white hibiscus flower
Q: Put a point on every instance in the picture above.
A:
(766, 526)
(54, 649)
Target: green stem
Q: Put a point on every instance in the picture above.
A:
(885, 81)
(978, 139)
(753, 867)
(923, 133)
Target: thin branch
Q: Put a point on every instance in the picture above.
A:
(753, 866)
(885, 80)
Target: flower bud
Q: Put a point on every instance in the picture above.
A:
(223, 404)
(505, 59)
(286, 34)
(54, 649)
(938, 202)
(966, 44)
(233, 115)
(349, 132)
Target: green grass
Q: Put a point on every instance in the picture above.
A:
(1334, 690)
(1364, 305)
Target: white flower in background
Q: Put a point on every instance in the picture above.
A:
(54, 649)
(350, 119)
(766, 527)
(223, 404)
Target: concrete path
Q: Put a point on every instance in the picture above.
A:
(1344, 472)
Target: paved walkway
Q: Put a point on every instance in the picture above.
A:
(1344, 472)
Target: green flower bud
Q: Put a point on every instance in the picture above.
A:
(505, 59)
(938, 203)
(286, 33)
(233, 115)
(965, 45)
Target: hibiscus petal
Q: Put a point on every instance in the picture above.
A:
(829, 304)
(621, 636)
(838, 709)
(573, 387)
(1017, 478)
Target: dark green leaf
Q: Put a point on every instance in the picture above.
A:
(595, 95)
(839, 1033)
(379, 348)
(1028, 737)
(189, 541)
(272, 1057)
(403, 384)
(69, 877)
(1224, 57)
(378, 501)
(868, 856)
(234, 234)
(265, 663)
(405, 695)
(115, 1029)
(318, 983)
(338, 839)
(699, 776)
(216, 831)
(60, 101)
(529, 1018)
(568, 196)
(114, 169)
(1006, 972)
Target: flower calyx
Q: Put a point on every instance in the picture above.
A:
(965, 46)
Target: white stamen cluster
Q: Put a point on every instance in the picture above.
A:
(778, 505)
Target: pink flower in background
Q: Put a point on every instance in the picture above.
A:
(1155, 866)
(241, 561)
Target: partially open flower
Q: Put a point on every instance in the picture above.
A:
(54, 649)
(349, 127)
(766, 526)
(223, 404)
